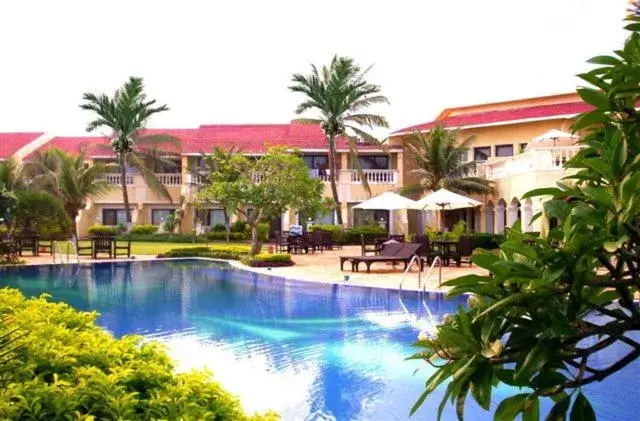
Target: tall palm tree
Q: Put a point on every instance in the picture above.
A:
(442, 162)
(68, 178)
(126, 114)
(339, 93)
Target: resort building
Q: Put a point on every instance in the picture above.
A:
(507, 153)
(503, 149)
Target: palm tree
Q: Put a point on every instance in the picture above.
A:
(11, 180)
(339, 93)
(69, 179)
(126, 115)
(442, 163)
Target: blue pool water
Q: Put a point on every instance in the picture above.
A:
(309, 351)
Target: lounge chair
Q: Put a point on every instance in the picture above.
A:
(426, 250)
(390, 253)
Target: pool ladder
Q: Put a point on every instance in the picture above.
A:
(54, 247)
(422, 295)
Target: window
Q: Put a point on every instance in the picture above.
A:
(522, 147)
(113, 217)
(158, 216)
(482, 153)
(504, 150)
(168, 167)
(374, 162)
(216, 217)
(464, 154)
(316, 162)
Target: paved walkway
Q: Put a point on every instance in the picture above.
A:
(325, 267)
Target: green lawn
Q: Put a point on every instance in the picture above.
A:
(153, 248)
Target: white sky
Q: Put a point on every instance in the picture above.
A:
(231, 61)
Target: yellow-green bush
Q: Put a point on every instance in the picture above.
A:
(69, 368)
(218, 251)
(102, 229)
(144, 229)
(268, 260)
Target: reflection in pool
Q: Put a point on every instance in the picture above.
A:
(309, 351)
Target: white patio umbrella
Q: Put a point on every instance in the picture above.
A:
(387, 201)
(552, 135)
(444, 199)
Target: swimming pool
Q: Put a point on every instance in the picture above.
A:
(309, 351)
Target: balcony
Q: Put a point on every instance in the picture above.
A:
(535, 160)
(371, 176)
(170, 179)
(117, 180)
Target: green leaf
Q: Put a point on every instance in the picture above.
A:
(535, 360)
(419, 402)
(545, 191)
(594, 97)
(531, 410)
(467, 280)
(481, 385)
(462, 397)
(582, 410)
(604, 60)
(500, 303)
(510, 407)
(599, 166)
(559, 410)
(589, 119)
(484, 260)
(521, 248)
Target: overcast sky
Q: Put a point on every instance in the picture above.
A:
(231, 61)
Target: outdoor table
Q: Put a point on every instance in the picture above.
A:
(443, 249)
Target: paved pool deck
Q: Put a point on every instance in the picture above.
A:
(325, 267)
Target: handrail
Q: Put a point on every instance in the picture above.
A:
(438, 260)
(404, 275)
(54, 246)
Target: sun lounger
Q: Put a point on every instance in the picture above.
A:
(390, 253)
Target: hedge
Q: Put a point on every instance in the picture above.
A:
(353, 235)
(268, 260)
(144, 229)
(103, 229)
(62, 365)
(165, 237)
(487, 241)
(222, 236)
(214, 252)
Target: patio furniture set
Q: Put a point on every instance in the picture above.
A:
(394, 250)
(309, 242)
(92, 246)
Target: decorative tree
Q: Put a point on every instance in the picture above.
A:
(340, 93)
(265, 188)
(442, 163)
(126, 115)
(553, 304)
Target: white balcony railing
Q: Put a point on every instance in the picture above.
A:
(173, 179)
(539, 159)
(115, 179)
(323, 175)
(374, 176)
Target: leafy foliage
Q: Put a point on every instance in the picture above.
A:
(144, 229)
(67, 177)
(442, 162)
(102, 229)
(215, 252)
(69, 368)
(555, 302)
(268, 260)
(223, 236)
(339, 93)
(126, 114)
(39, 213)
(264, 188)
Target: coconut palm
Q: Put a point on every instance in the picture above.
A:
(12, 180)
(442, 163)
(69, 179)
(339, 93)
(126, 115)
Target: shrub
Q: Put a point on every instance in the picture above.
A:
(169, 223)
(144, 229)
(222, 236)
(352, 235)
(263, 231)
(268, 260)
(218, 228)
(239, 226)
(67, 367)
(337, 233)
(487, 241)
(39, 213)
(102, 229)
(214, 252)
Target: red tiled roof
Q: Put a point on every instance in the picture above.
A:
(11, 142)
(91, 145)
(504, 116)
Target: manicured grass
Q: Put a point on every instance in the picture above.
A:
(155, 248)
